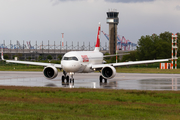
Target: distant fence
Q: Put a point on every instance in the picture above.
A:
(34, 52)
(56, 46)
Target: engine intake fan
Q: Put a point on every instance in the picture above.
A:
(108, 72)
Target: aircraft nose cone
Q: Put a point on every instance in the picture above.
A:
(71, 66)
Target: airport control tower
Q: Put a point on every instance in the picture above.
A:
(112, 20)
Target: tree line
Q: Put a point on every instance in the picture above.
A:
(153, 47)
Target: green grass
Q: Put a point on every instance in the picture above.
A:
(79, 103)
(16, 67)
(29, 103)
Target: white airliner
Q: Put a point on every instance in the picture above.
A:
(82, 62)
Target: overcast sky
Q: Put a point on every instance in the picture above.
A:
(44, 20)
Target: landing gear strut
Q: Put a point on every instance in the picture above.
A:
(71, 79)
(101, 79)
(65, 76)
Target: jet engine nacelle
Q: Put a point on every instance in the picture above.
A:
(108, 72)
(50, 72)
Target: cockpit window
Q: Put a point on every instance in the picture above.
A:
(70, 58)
(65, 58)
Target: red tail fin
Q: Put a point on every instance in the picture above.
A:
(98, 38)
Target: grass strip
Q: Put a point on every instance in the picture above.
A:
(80, 103)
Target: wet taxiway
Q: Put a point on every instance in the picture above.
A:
(134, 81)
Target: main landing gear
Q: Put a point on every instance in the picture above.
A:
(65, 78)
(101, 79)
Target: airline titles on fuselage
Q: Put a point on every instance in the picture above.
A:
(85, 58)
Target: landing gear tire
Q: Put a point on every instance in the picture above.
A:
(71, 80)
(67, 79)
(105, 80)
(101, 80)
(62, 78)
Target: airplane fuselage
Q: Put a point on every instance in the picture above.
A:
(81, 61)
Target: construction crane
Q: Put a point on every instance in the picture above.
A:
(29, 45)
(122, 43)
(19, 46)
(3, 46)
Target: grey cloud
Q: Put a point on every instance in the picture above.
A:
(178, 7)
(129, 1)
(55, 2)
(65, 0)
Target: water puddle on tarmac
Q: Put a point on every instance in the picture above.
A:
(151, 84)
(143, 84)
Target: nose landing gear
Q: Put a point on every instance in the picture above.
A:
(71, 79)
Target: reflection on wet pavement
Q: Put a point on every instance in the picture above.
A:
(150, 84)
(144, 84)
(161, 84)
(133, 81)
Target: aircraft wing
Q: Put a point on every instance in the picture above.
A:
(128, 63)
(34, 63)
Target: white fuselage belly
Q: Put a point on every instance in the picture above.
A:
(85, 60)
